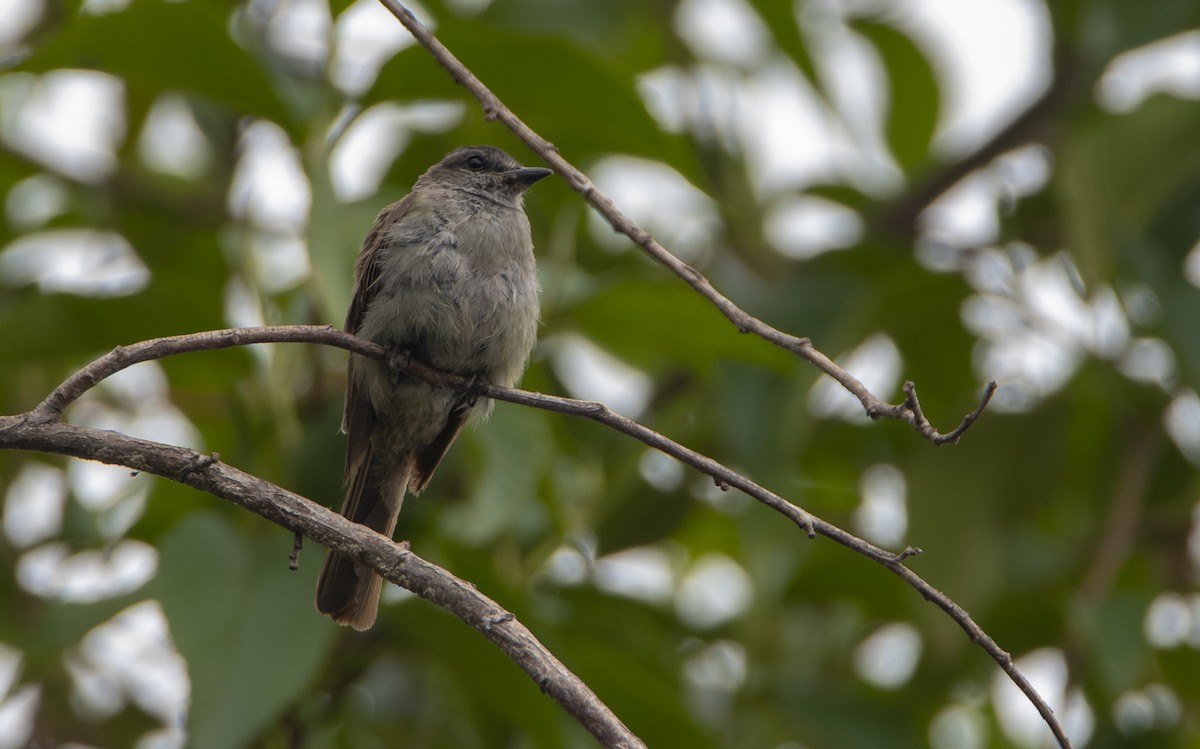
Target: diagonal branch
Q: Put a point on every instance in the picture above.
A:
(303, 516)
(45, 417)
(494, 109)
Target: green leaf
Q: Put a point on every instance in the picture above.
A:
(184, 295)
(158, 47)
(574, 99)
(464, 661)
(1103, 29)
(1128, 185)
(661, 324)
(335, 234)
(626, 33)
(515, 447)
(243, 622)
(1117, 174)
(914, 101)
(780, 18)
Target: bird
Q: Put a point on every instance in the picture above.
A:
(446, 276)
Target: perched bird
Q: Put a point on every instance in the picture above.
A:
(447, 276)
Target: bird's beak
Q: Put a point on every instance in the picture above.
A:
(527, 175)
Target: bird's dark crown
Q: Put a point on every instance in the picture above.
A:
(485, 171)
(478, 159)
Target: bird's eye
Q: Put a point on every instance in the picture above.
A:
(475, 163)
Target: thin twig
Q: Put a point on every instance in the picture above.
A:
(913, 405)
(297, 546)
(157, 348)
(494, 109)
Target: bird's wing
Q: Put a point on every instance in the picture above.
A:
(358, 415)
(427, 459)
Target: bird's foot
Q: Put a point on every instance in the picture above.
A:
(398, 361)
(474, 389)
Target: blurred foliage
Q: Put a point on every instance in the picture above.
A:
(1055, 525)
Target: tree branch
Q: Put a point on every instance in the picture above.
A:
(41, 429)
(393, 561)
(158, 348)
(494, 109)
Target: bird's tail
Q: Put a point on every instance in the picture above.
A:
(348, 592)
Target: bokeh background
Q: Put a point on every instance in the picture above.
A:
(948, 192)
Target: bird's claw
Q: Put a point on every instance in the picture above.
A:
(398, 361)
(474, 389)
